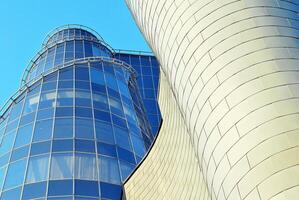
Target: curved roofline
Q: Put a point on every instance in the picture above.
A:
(77, 26)
(71, 26)
(51, 33)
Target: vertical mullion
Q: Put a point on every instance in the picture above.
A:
(52, 137)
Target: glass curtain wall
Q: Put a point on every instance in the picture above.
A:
(78, 131)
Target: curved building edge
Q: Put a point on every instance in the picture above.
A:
(232, 67)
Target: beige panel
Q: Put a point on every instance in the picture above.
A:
(170, 170)
(233, 68)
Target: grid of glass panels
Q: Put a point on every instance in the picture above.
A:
(147, 68)
(66, 49)
(77, 133)
(71, 33)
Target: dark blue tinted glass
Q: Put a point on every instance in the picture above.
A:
(61, 187)
(82, 85)
(100, 115)
(82, 73)
(65, 85)
(62, 145)
(83, 112)
(106, 149)
(84, 146)
(86, 188)
(63, 128)
(84, 128)
(66, 74)
(104, 132)
(64, 112)
(125, 155)
(110, 191)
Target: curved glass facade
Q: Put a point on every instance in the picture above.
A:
(77, 130)
(63, 47)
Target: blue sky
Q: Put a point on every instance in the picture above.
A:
(25, 24)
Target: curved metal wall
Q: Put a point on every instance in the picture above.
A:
(233, 68)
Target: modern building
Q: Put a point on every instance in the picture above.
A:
(229, 100)
(80, 122)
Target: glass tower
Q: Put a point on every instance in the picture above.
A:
(81, 121)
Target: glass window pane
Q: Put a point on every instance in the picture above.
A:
(88, 48)
(79, 49)
(16, 111)
(126, 169)
(61, 166)
(62, 145)
(63, 128)
(82, 73)
(40, 148)
(103, 132)
(86, 188)
(65, 85)
(2, 176)
(51, 77)
(58, 188)
(138, 145)
(45, 114)
(65, 98)
(109, 170)
(106, 149)
(85, 167)
(97, 76)
(119, 121)
(12, 194)
(104, 116)
(59, 54)
(47, 100)
(84, 128)
(100, 101)
(49, 86)
(27, 119)
(35, 190)
(82, 85)
(30, 104)
(50, 58)
(15, 174)
(96, 50)
(126, 155)
(122, 138)
(37, 169)
(110, 191)
(19, 153)
(64, 112)
(24, 135)
(43, 130)
(66, 74)
(83, 98)
(85, 146)
(7, 143)
(83, 112)
(69, 51)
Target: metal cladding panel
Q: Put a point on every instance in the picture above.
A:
(233, 69)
